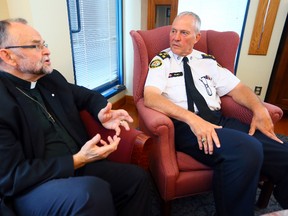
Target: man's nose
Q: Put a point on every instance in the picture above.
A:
(177, 36)
(45, 50)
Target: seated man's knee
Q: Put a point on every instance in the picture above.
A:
(241, 147)
(92, 195)
(251, 152)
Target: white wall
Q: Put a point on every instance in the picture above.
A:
(50, 19)
(132, 20)
(3, 10)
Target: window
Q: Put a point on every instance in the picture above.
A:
(220, 15)
(96, 38)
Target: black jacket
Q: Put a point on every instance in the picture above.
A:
(22, 165)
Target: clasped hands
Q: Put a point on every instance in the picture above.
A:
(97, 148)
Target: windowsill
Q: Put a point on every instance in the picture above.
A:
(113, 91)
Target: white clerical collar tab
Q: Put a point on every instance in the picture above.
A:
(33, 85)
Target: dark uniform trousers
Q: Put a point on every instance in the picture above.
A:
(237, 165)
(101, 188)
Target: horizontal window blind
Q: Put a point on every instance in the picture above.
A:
(96, 29)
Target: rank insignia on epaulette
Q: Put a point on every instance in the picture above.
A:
(155, 63)
(207, 56)
(164, 55)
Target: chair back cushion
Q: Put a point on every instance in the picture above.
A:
(146, 44)
(222, 45)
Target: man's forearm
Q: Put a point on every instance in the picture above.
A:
(246, 97)
(162, 104)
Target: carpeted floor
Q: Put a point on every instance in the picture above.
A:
(203, 205)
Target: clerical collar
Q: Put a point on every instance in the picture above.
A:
(22, 83)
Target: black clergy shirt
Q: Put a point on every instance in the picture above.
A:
(58, 142)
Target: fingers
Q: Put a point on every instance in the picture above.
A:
(124, 115)
(104, 113)
(114, 140)
(94, 140)
(108, 107)
(273, 136)
(117, 130)
(252, 130)
(265, 126)
(206, 141)
(207, 144)
(124, 124)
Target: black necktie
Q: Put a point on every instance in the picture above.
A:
(194, 96)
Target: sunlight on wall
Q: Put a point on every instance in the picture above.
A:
(220, 15)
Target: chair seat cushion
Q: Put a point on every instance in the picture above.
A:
(187, 163)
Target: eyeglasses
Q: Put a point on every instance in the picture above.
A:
(36, 46)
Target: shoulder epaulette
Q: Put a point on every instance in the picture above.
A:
(207, 56)
(164, 55)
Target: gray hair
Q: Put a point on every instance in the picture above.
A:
(195, 16)
(4, 35)
(4, 25)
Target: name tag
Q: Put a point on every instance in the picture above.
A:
(175, 74)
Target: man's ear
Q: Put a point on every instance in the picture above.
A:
(198, 36)
(7, 57)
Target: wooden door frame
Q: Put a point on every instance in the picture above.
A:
(280, 69)
(152, 4)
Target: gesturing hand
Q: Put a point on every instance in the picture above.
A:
(112, 119)
(95, 149)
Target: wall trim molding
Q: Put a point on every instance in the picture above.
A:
(127, 99)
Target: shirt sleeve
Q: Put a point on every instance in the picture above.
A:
(225, 81)
(157, 74)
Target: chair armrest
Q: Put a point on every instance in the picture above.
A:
(133, 147)
(232, 109)
(276, 112)
(162, 159)
(152, 119)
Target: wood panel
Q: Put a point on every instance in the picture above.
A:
(278, 89)
(263, 26)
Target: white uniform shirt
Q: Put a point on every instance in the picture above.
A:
(166, 73)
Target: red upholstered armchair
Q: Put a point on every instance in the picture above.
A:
(177, 174)
(133, 146)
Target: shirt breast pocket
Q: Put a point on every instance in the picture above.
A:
(176, 87)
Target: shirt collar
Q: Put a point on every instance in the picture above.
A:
(195, 54)
(17, 81)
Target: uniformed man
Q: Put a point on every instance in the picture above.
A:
(237, 152)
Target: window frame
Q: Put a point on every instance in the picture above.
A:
(112, 87)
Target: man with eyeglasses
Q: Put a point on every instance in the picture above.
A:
(186, 84)
(47, 164)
